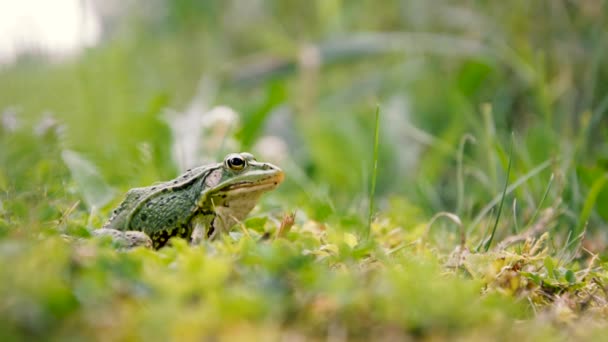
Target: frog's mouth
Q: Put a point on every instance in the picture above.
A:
(264, 184)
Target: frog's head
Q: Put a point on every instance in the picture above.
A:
(240, 172)
(238, 182)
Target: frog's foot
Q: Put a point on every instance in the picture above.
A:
(125, 239)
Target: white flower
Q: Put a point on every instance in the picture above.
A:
(9, 119)
(200, 133)
(271, 148)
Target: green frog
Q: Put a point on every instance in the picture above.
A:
(201, 203)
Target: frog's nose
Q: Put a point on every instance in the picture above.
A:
(268, 166)
(280, 175)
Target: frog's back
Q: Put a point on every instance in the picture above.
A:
(162, 208)
(169, 209)
(120, 216)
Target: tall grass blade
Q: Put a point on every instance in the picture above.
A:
(460, 174)
(590, 201)
(542, 200)
(515, 224)
(523, 179)
(372, 190)
(502, 200)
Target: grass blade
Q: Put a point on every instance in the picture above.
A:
(460, 174)
(595, 190)
(535, 171)
(372, 190)
(488, 242)
(542, 200)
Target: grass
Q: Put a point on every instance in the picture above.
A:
(488, 242)
(372, 191)
(373, 233)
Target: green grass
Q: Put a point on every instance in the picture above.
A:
(374, 176)
(489, 131)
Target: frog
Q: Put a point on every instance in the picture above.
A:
(202, 203)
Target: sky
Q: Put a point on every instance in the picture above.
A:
(59, 28)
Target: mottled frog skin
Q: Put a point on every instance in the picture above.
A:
(203, 202)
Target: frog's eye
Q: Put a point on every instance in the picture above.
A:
(235, 162)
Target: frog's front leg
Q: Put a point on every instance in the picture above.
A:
(202, 227)
(125, 239)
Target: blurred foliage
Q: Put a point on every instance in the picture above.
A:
(455, 82)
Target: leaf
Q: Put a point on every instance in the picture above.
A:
(570, 277)
(535, 278)
(350, 240)
(95, 191)
(330, 248)
(256, 223)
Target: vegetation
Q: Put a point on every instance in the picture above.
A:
(487, 176)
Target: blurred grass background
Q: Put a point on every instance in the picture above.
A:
(312, 73)
(457, 82)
